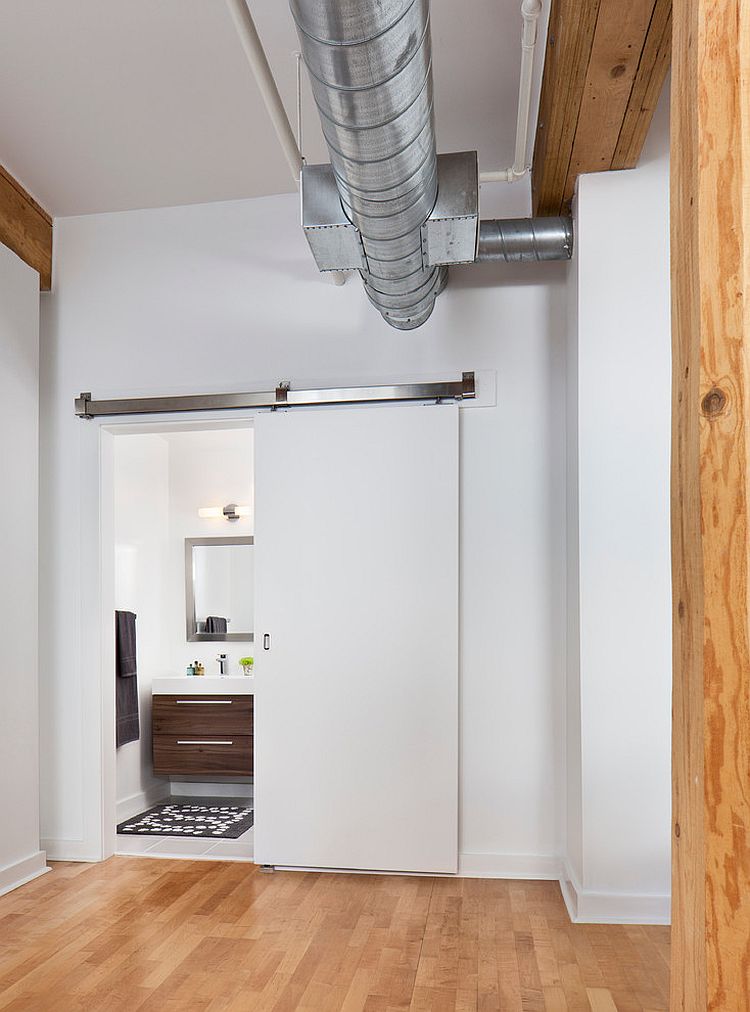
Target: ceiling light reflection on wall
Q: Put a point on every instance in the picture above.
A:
(230, 512)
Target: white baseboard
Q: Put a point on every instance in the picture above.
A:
(517, 866)
(586, 906)
(128, 807)
(20, 872)
(69, 850)
(181, 789)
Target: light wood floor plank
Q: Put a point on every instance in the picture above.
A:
(601, 1000)
(139, 935)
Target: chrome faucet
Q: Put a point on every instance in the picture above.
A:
(222, 659)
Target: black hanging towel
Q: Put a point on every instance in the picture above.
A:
(126, 679)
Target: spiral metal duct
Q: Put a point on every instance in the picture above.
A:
(370, 67)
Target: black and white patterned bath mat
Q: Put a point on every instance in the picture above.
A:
(213, 820)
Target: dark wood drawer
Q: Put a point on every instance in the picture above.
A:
(202, 715)
(205, 754)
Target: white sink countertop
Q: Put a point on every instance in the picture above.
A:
(204, 685)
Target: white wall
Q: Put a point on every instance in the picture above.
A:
(619, 645)
(225, 297)
(20, 856)
(141, 529)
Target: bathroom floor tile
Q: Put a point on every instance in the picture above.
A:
(232, 849)
(127, 844)
(174, 845)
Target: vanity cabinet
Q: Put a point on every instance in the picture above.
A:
(207, 735)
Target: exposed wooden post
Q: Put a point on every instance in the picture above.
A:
(711, 344)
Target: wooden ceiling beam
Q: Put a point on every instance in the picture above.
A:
(604, 69)
(26, 228)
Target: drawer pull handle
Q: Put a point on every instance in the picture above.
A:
(202, 702)
(205, 742)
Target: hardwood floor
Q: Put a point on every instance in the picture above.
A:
(134, 933)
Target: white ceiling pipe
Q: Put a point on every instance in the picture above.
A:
(256, 56)
(530, 12)
(253, 47)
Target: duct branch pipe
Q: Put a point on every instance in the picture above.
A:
(530, 12)
(520, 240)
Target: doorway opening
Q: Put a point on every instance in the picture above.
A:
(180, 749)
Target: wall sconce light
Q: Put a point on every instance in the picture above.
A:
(230, 512)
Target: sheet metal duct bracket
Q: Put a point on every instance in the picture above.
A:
(335, 243)
(450, 234)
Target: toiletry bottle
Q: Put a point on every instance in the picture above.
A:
(199, 669)
(190, 670)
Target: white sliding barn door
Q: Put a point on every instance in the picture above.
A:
(356, 726)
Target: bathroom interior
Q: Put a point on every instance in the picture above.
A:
(183, 593)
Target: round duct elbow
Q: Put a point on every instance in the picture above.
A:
(371, 75)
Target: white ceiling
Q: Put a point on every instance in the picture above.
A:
(108, 106)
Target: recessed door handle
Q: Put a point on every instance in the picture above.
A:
(266, 641)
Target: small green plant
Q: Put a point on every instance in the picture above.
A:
(246, 662)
